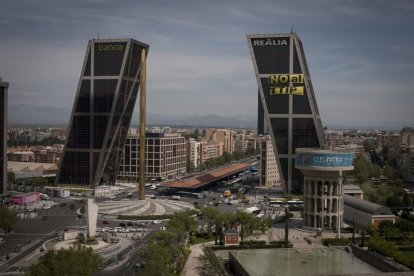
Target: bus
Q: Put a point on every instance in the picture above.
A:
(189, 194)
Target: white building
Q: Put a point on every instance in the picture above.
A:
(194, 152)
(269, 175)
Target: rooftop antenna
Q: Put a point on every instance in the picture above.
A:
(97, 34)
(292, 30)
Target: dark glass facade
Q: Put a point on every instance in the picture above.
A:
(291, 118)
(3, 136)
(102, 112)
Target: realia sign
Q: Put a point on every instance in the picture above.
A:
(270, 42)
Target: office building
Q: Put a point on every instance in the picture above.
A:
(3, 136)
(334, 138)
(102, 112)
(323, 203)
(287, 105)
(208, 151)
(407, 165)
(407, 138)
(390, 140)
(166, 156)
(224, 136)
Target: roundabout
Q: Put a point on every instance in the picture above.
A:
(143, 207)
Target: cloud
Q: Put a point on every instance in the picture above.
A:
(359, 54)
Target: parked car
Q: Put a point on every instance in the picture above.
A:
(105, 222)
(44, 218)
(156, 221)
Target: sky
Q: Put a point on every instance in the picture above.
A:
(359, 53)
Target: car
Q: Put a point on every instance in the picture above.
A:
(105, 222)
(163, 228)
(216, 204)
(156, 221)
(138, 266)
(81, 215)
(44, 218)
(122, 224)
(111, 197)
(63, 204)
(46, 207)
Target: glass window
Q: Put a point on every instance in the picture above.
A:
(280, 132)
(104, 91)
(80, 132)
(304, 134)
(84, 97)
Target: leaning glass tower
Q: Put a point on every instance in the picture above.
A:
(102, 111)
(287, 107)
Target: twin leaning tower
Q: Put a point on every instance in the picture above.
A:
(114, 72)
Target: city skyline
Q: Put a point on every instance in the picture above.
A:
(358, 54)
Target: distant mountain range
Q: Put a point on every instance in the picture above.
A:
(33, 115)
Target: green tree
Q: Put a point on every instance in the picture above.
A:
(210, 216)
(79, 261)
(227, 157)
(361, 168)
(210, 264)
(389, 171)
(165, 253)
(368, 145)
(375, 171)
(190, 166)
(11, 178)
(182, 222)
(248, 223)
(8, 218)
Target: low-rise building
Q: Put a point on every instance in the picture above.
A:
(363, 212)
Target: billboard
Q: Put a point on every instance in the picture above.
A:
(314, 159)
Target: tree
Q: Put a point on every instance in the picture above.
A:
(182, 222)
(190, 167)
(375, 171)
(389, 171)
(210, 215)
(165, 251)
(361, 168)
(248, 222)
(227, 157)
(8, 218)
(210, 264)
(79, 261)
(11, 177)
(368, 145)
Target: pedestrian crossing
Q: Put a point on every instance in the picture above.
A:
(143, 207)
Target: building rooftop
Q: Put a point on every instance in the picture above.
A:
(13, 166)
(290, 261)
(204, 179)
(352, 188)
(366, 206)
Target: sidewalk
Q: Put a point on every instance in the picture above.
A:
(192, 263)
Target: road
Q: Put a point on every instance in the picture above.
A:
(34, 230)
(127, 266)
